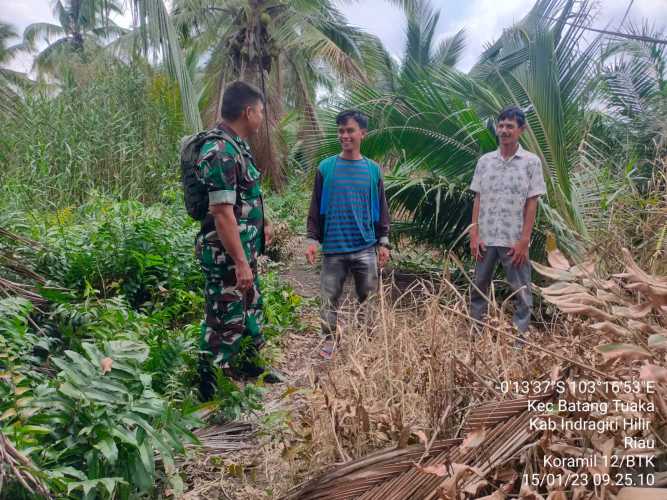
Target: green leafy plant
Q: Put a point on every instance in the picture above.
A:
(108, 248)
(233, 401)
(281, 306)
(21, 362)
(97, 426)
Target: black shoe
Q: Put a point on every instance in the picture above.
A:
(254, 369)
(207, 383)
(273, 376)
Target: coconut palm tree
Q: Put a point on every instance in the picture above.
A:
(8, 52)
(287, 48)
(420, 50)
(83, 26)
(11, 81)
(634, 89)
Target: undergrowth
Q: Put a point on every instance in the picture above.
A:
(93, 384)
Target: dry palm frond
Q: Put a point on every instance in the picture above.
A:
(14, 466)
(10, 288)
(394, 474)
(228, 437)
(359, 476)
(20, 269)
(19, 239)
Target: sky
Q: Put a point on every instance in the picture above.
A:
(483, 20)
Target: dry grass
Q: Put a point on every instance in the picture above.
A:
(420, 386)
(416, 374)
(421, 375)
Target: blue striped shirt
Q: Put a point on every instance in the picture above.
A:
(349, 227)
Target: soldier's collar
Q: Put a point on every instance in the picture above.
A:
(234, 135)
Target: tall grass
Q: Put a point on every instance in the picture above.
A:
(113, 129)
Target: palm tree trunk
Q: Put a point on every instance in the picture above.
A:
(263, 144)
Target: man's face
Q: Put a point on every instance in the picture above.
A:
(255, 115)
(350, 135)
(508, 132)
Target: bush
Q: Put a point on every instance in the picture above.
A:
(108, 248)
(95, 426)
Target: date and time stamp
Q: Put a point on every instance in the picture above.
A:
(597, 409)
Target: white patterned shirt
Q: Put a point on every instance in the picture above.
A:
(504, 186)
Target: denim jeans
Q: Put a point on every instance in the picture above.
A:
(335, 268)
(518, 278)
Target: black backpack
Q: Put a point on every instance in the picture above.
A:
(194, 190)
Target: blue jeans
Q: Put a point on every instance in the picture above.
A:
(517, 276)
(335, 268)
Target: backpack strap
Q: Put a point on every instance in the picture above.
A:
(221, 135)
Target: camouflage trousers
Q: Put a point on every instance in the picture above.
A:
(231, 316)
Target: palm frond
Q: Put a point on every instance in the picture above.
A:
(156, 28)
(45, 31)
(48, 59)
(421, 24)
(448, 52)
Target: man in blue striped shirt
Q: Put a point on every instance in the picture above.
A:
(349, 217)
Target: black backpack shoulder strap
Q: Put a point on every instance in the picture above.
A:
(221, 135)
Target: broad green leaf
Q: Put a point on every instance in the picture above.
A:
(147, 456)
(34, 429)
(125, 435)
(57, 296)
(140, 477)
(94, 354)
(177, 485)
(108, 448)
(101, 396)
(165, 452)
(125, 349)
(67, 471)
(84, 364)
(109, 484)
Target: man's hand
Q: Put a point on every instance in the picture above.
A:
(311, 253)
(244, 277)
(519, 252)
(268, 233)
(477, 246)
(383, 255)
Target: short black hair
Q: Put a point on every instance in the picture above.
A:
(355, 114)
(237, 97)
(513, 113)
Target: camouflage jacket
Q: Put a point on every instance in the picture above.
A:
(229, 181)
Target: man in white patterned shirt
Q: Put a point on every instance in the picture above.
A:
(507, 183)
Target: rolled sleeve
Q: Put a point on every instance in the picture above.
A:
(537, 185)
(221, 196)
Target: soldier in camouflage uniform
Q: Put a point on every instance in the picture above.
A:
(232, 236)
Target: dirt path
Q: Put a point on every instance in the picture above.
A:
(264, 468)
(271, 464)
